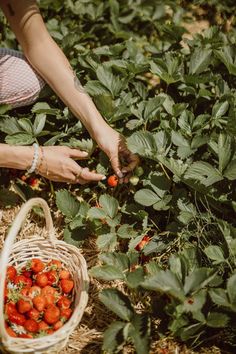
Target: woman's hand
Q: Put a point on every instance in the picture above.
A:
(57, 164)
(123, 161)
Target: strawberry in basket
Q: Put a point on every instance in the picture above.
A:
(38, 298)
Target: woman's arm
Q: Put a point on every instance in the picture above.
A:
(9, 156)
(50, 62)
(56, 163)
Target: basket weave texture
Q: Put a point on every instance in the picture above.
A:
(17, 254)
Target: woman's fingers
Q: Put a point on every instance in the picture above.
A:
(115, 163)
(84, 174)
(133, 161)
(77, 154)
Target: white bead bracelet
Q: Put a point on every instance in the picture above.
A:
(35, 159)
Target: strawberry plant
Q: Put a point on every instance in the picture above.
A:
(168, 235)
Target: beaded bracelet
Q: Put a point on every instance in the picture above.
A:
(35, 159)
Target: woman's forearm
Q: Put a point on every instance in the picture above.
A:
(50, 62)
(18, 157)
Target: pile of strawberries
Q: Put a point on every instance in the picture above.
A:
(38, 298)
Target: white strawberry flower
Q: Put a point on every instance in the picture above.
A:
(12, 286)
(18, 329)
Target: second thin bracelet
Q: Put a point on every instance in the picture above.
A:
(42, 160)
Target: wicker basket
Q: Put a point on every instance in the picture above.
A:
(17, 254)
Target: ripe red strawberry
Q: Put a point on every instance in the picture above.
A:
(34, 291)
(66, 285)
(64, 302)
(31, 326)
(36, 265)
(17, 318)
(52, 314)
(66, 313)
(64, 274)
(25, 335)
(21, 279)
(41, 279)
(50, 331)
(112, 181)
(50, 300)
(26, 273)
(24, 305)
(39, 302)
(57, 325)
(52, 277)
(10, 332)
(33, 314)
(55, 264)
(43, 326)
(24, 292)
(34, 182)
(11, 273)
(142, 243)
(10, 308)
(6, 293)
(48, 290)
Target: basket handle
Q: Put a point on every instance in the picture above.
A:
(9, 241)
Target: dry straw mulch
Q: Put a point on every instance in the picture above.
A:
(87, 339)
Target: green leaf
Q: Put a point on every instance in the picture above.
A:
(126, 231)
(106, 272)
(26, 125)
(231, 289)
(146, 197)
(217, 320)
(197, 279)
(75, 237)
(107, 242)
(109, 204)
(117, 302)
(219, 109)
(203, 172)
(219, 297)
(113, 338)
(43, 107)
(166, 282)
(67, 203)
(19, 139)
(195, 303)
(95, 88)
(200, 60)
(142, 143)
(135, 278)
(224, 150)
(10, 126)
(39, 123)
(215, 253)
(230, 171)
(225, 56)
(4, 108)
(139, 332)
(96, 213)
(152, 106)
(118, 260)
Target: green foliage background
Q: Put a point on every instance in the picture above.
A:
(176, 106)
